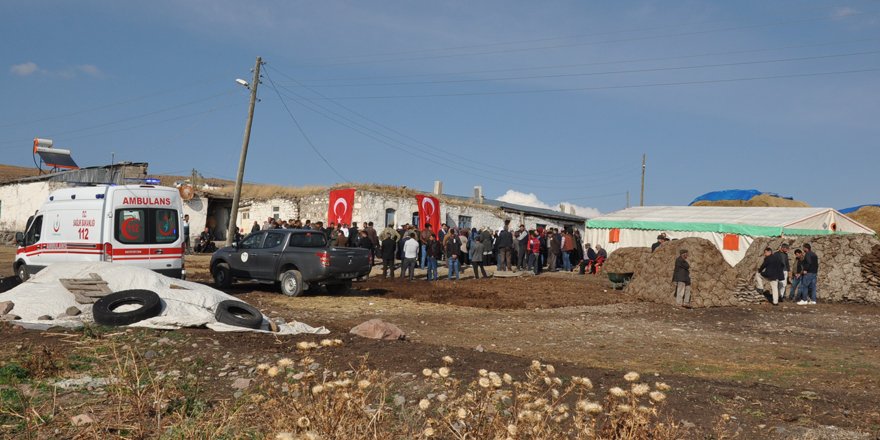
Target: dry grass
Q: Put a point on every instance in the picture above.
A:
(9, 173)
(868, 216)
(295, 398)
(759, 200)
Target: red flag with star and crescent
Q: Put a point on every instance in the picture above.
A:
(429, 212)
(341, 206)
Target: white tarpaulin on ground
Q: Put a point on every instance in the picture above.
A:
(188, 304)
(732, 229)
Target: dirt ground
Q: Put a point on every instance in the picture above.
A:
(779, 372)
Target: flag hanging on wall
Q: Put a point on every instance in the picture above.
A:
(341, 206)
(429, 212)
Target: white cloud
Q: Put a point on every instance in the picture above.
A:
(30, 68)
(843, 11)
(24, 69)
(532, 200)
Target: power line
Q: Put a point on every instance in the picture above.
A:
(625, 86)
(103, 106)
(581, 74)
(589, 43)
(598, 63)
(430, 148)
(117, 121)
(299, 127)
(455, 166)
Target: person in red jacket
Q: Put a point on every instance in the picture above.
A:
(534, 249)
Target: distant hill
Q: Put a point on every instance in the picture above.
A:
(759, 200)
(12, 172)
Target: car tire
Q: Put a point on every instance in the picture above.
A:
(291, 283)
(21, 271)
(239, 314)
(339, 289)
(222, 275)
(104, 310)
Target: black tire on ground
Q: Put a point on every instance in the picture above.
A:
(291, 283)
(21, 272)
(222, 275)
(104, 308)
(239, 314)
(339, 289)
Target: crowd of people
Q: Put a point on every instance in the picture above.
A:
(408, 248)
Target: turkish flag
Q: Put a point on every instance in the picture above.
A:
(341, 206)
(429, 212)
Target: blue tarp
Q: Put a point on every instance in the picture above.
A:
(734, 194)
(855, 208)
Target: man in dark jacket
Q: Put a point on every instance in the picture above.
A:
(504, 242)
(810, 273)
(453, 251)
(782, 254)
(435, 253)
(681, 276)
(771, 273)
(553, 250)
(389, 249)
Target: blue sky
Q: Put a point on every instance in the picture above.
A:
(555, 101)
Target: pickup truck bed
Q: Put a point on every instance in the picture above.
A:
(296, 259)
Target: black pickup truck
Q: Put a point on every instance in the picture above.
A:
(295, 259)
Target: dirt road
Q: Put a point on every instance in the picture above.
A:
(781, 372)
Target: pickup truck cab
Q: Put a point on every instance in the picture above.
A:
(294, 258)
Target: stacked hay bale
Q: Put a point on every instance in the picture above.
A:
(868, 216)
(627, 260)
(712, 279)
(849, 270)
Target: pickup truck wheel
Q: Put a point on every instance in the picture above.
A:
(339, 289)
(22, 272)
(222, 275)
(291, 283)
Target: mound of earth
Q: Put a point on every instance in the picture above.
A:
(759, 200)
(868, 216)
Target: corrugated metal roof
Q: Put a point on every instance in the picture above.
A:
(540, 212)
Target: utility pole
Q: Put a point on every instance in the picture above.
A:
(642, 198)
(236, 197)
(627, 198)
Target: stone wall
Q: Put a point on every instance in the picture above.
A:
(849, 270)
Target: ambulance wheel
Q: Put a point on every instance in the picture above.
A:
(22, 272)
(222, 275)
(105, 312)
(291, 283)
(239, 314)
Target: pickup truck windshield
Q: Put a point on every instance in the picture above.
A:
(308, 239)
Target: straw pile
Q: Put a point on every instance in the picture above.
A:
(849, 270)
(868, 216)
(759, 200)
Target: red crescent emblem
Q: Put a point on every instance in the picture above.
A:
(129, 226)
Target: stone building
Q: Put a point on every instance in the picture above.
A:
(382, 205)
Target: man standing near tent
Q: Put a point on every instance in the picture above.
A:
(770, 272)
(782, 254)
(811, 271)
(681, 276)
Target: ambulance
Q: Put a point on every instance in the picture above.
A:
(137, 225)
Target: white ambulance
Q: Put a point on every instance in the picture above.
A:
(125, 224)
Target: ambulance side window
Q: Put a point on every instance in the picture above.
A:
(166, 226)
(33, 234)
(130, 226)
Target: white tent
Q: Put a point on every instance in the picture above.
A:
(732, 229)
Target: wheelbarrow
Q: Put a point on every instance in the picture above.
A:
(619, 280)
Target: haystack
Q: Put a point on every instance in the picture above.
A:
(849, 270)
(868, 216)
(627, 260)
(759, 200)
